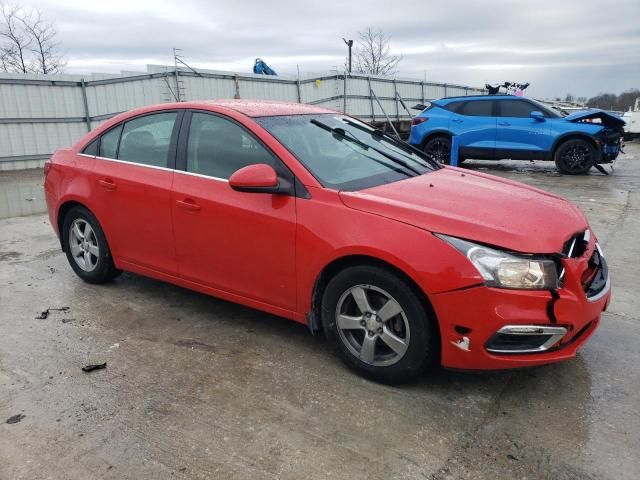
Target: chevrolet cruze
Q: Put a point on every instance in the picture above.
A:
(315, 216)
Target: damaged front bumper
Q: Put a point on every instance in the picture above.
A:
(610, 143)
(485, 328)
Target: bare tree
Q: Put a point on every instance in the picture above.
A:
(28, 42)
(15, 47)
(44, 45)
(372, 53)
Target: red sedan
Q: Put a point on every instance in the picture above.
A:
(315, 216)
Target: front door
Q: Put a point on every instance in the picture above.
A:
(242, 243)
(520, 136)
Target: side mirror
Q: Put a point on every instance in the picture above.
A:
(539, 116)
(258, 178)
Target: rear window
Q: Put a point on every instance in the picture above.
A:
(109, 142)
(92, 148)
(452, 106)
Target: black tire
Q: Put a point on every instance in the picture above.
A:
(421, 335)
(575, 156)
(104, 269)
(439, 149)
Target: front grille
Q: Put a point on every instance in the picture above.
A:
(577, 245)
(595, 277)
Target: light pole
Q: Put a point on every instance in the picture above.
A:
(349, 44)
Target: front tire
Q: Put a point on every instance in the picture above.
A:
(575, 157)
(378, 325)
(86, 247)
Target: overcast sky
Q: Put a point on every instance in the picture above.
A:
(578, 46)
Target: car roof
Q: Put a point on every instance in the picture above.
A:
(265, 108)
(446, 100)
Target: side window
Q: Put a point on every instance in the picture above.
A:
(516, 108)
(453, 106)
(146, 140)
(477, 108)
(109, 142)
(92, 148)
(217, 147)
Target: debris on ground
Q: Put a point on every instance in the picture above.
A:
(97, 366)
(15, 419)
(45, 313)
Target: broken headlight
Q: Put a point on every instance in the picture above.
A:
(507, 270)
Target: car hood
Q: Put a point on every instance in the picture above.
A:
(607, 119)
(475, 206)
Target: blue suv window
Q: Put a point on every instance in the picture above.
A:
(477, 108)
(516, 108)
(453, 106)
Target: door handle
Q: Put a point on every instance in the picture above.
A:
(188, 204)
(457, 120)
(107, 183)
(504, 124)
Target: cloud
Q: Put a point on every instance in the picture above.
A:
(577, 46)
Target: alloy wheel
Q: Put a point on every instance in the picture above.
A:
(372, 325)
(439, 149)
(83, 245)
(576, 158)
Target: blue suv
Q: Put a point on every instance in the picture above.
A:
(493, 127)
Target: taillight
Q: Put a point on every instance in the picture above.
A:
(47, 167)
(418, 120)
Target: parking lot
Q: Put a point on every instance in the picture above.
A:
(196, 387)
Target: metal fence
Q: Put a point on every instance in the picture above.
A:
(41, 113)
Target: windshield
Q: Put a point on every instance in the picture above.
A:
(344, 153)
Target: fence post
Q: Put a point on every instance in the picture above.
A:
(422, 88)
(445, 89)
(395, 90)
(177, 85)
(87, 116)
(373, 112)
(344, 94)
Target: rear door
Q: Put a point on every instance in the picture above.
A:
(242, 243)
(474, 125)
(132, 184)
(519, 135)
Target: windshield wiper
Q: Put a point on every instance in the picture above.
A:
(407, 147)
(343, 133)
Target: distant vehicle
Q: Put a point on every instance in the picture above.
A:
(632, 119)
(315, 216)
(493, 127)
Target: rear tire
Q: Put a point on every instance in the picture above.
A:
(575, 157)
(86, 247)
(439, 149)
(378, 325)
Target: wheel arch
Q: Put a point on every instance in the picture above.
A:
(573, 136)
(435, 133)
(352, 260)
(63, 210)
